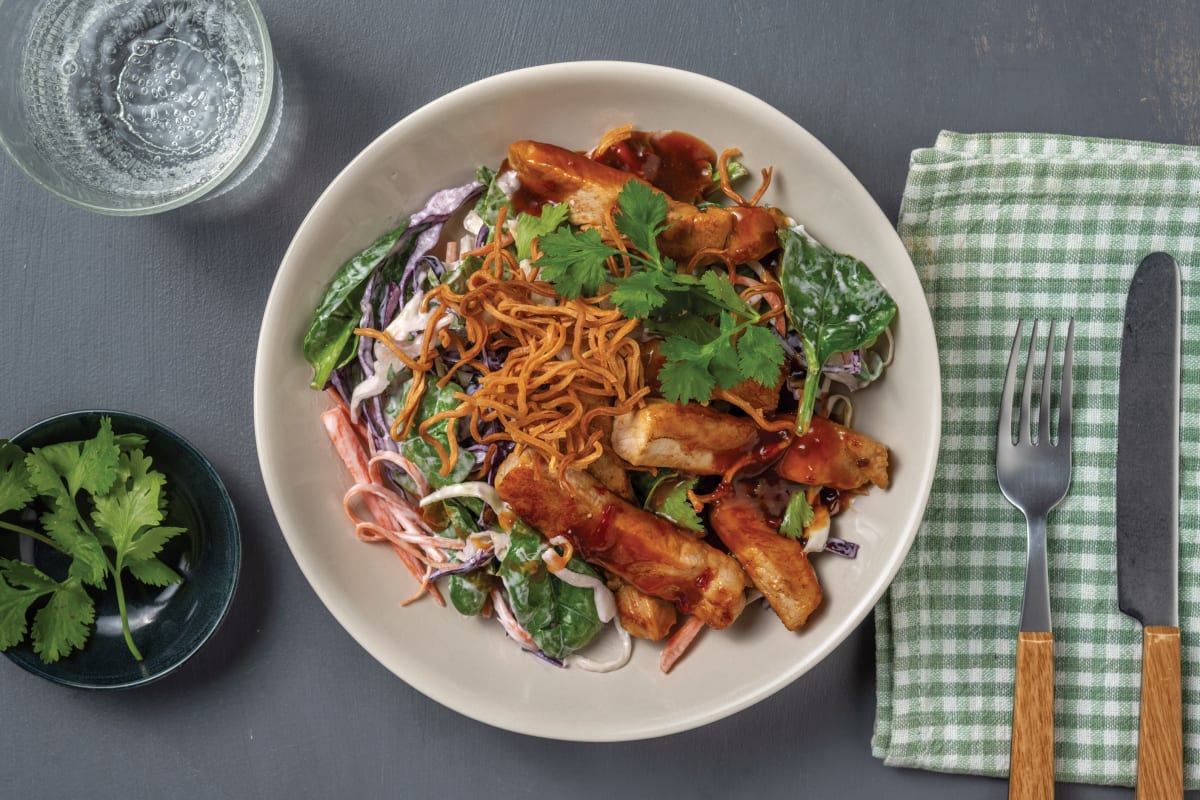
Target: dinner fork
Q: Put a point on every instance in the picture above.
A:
(1034, 474)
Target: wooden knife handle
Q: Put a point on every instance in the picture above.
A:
(1031, 762)
(1160, 737)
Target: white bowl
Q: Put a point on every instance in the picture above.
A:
(467, 664)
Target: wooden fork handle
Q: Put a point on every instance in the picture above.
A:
(1031, 761)
(1160, 736)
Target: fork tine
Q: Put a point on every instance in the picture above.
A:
(1064, 391)
(1044, 405)
(1025, 421)
(1004, 434)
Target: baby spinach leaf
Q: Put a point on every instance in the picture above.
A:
(469, 591)
(328, 343)
(834, 303)
(560, 617)
(419, 451)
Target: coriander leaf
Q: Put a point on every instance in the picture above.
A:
(723, 294)
(681, 349)
(686, 381)
(149, 541)
(63, 624)
(530, 227)
(687, 326)
(640, 293)
(97, 466)
(14, 611)
(724, 363)
(670, 499)
(574, 262)
(133, 504)
(129, 441)
(834, 303)
(760, 355)
(642, 216)
(797, 516)
(88, 562)
(47, 467)
(124, 511)
(16, 491)
(20, 575)
(153, 572)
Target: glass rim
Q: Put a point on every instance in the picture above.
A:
(218, 178)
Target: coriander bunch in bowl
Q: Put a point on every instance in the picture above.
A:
(100, 504)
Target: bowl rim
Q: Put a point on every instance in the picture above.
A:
(341, 609)
(234, 543)
(257, 126)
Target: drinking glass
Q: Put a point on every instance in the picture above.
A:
(133, 106)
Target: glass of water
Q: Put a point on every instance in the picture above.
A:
(133, 106)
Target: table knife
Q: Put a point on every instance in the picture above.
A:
(1148, 514)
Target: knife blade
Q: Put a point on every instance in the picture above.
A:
(1148, 513)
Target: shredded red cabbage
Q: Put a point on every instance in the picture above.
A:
(841, 547)
(473, 563)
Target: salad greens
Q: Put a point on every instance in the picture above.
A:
(797, 516)
(833, 302)
(329, 342)
(103, 508)
(420, 451)
(560, 617)
(668, 497)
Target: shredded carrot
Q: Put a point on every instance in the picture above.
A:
(679, 643)
(350, 448)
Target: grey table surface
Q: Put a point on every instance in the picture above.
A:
(160, 315)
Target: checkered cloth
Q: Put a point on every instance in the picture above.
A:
(1000, 227)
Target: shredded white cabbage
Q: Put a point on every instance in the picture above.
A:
(477, 489)
(406, 331)
(619, 660)
(816, 536)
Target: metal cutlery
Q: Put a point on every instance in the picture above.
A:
(1034, 475)
(1148, 514)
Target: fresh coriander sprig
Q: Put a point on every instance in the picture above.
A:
(700, 356)
(104, 509)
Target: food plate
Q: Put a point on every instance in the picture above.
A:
(466, 663)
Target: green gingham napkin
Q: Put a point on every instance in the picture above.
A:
(1000, 227)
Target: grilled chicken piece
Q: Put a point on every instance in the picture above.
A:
(644, 616)
(612, 473)
(590, 189)
(640, 548)
(778, 566)
(690, 438)
(837, 457)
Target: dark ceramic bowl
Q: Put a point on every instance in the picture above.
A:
(168, 624)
